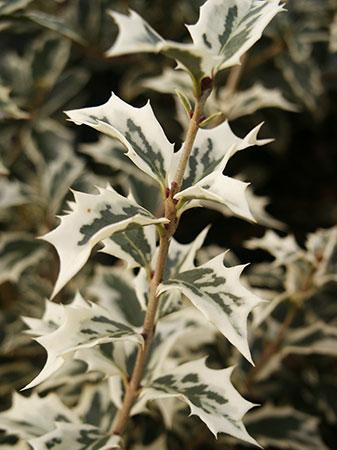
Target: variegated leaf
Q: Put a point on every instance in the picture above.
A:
(113, 289)
(136, 128)
(52, 318)
(40, 415)
(175, 340)
(219, 192)
(135, 246)
(211, 151)
(285, 428)
(204, 182)
(92, 219)
(75, 437)
(18, 252)
(222, 35)
(144, 38)
(242, 103)
(217, 292)
(83, 326)
(176, 327)
(283, 249)
(209, 394)
(48, 423)
(67, 380)
(227, 30)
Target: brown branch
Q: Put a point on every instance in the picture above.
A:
(134, 386)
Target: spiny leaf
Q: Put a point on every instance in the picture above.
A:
(84, 326)
(209, 394)
(136, 128)
(40, 415)
(92, 219)
(222, 35)
(284, 249)
(217, 292)
(218, 192)
(227, 30)
(204, 181)
(213, 148)
(176, 338)
(135, 35)
(48, 423)
(52, 318)
(242, 103)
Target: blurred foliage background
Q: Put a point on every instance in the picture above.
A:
(52, 58)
